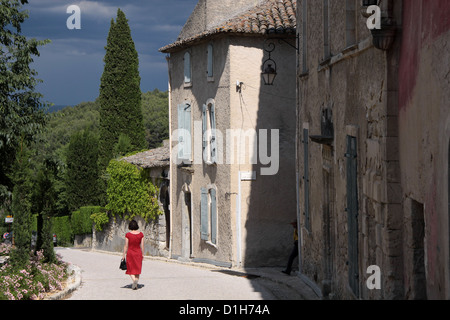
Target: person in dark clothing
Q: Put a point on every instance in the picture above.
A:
(294, 252)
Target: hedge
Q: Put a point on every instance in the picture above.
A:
(81, 219)
(80, 222)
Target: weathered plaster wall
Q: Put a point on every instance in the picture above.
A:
(359, 86)
(424, 102)
(268, 202)
(200, 174)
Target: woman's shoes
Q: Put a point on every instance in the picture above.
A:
(134, 285)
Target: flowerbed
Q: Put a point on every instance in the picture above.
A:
(34, 281)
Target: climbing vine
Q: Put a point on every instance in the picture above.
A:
(130, 192)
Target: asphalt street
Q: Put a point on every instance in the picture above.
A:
(164, 280)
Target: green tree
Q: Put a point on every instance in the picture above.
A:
(82, 173)
(21, 208)
(44, 203)
(22, 113)
(120, 93)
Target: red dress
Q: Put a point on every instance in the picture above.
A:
(134, 253)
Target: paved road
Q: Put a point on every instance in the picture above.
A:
(161, 280)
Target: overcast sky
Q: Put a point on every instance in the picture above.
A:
(71, 66)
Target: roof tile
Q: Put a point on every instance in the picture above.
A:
(271, 16)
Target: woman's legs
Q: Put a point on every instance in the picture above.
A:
(135, 279)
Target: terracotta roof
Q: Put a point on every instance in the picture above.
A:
(154, 158)
(270, 17)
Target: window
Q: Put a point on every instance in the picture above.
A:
(210, 62)
(350, 22)
(209, 132)
(304, 36)
(208, 215)
(187, 68)
(326, 29)
(184, 133)
(352, 214)
(306, 178)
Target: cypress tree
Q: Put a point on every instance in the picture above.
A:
(82, 171)
(120, 93)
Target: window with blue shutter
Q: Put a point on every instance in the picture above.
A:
(204, 215)
(210, 61)
(213, 214)
(187, 67)
(208, 215)
(209, 133)
(213, 140)
(184, 132)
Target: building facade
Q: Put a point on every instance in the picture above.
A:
(232, 137)
(372, 148)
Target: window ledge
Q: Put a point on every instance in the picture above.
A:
(211, 244)
(188, 84)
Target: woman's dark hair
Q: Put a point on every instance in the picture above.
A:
(133, 225)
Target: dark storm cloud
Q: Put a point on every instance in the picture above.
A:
(71, 66)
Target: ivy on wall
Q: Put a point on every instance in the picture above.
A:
(130, 192)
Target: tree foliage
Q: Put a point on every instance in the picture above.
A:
(130, 192)
(120, 93)
(82, 173)
(21, 110)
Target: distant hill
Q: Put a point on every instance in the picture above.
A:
(56, 108)
(66, 120)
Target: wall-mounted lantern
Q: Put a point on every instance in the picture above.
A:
(269, 67)
(383, 37)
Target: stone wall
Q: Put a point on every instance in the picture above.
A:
(112, 238)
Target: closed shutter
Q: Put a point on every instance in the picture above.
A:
(212, 193)
(213, 146)
(306, 178)
(204, 126)
(180, 131)
(210, 61)
(187, 132)
(204, 214)
(352, 214)
(187, 67)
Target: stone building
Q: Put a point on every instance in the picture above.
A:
(373, 130)
(156, 164)
(232, 137)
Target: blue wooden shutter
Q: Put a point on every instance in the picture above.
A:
(212, 193)
(210, 60)
(187, 133)
(204, 126)
(187, 67)
(204, 214)
(180, 131)
(213, 142)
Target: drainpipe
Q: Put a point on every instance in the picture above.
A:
(170, 155)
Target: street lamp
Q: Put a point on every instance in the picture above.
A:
(269, 67)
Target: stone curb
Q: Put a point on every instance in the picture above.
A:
(74, 281)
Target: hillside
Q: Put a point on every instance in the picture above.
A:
(85, 116)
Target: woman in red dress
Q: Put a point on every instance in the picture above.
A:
(134, 252)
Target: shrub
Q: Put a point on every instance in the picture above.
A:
(81, 219)
(130, 192)
(100, 219)
(32, 281)
(63, 230)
